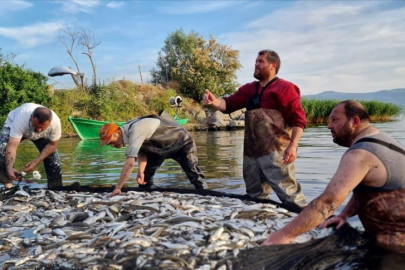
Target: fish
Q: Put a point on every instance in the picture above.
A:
(73, 230)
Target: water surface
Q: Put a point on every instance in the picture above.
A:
(220, 157)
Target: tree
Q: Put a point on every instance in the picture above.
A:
(88, 41)
(19, 85)
(7, 58)
(71, 37)
(196, 65)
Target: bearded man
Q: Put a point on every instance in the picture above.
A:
(274, 123)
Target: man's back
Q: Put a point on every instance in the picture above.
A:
(18, 120)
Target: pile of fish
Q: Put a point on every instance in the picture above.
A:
(135, 230)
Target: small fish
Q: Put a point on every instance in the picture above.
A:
(217, 234)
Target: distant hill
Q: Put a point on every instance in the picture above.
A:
(395, 96)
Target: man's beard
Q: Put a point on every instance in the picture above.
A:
(345, 139)
(258, 76)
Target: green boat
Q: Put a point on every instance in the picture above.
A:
(88, 129)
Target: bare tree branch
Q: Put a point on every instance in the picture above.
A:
(88, 41)
(68, 37)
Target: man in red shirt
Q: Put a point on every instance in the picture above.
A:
(274, 123)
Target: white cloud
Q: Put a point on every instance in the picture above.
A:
(328, 45)
(193, 7)
(33, 35)
(12, 6)
(116, 4)
(400, 72)
(77, 6)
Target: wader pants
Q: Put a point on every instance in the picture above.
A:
(186, 156)
(51, 163)
(170, 140)
(382, 214)
(266, 138)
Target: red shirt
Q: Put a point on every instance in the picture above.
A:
(281, 95)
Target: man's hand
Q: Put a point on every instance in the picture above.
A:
(116, 191)
(277, 238)
(30, 166)
(339, 220)
(140, 179)
(13, 174)
(210, 99)
(290, 154)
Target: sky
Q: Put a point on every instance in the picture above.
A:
(342, 46)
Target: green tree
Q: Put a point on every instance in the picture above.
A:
(196, 64)
(19, 85)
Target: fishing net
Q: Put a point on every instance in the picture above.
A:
(347, 248)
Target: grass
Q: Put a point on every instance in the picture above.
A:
(118, 101)
(317, 111)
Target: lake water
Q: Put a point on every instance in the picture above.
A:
(220, 158)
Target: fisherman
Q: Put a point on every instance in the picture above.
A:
(150, 140)
(40, 125)
(373, 168)
(274, 123)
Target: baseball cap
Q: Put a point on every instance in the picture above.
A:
(106, 132)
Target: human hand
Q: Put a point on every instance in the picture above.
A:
(140, 179)
(277, 238)
(209, 97)
(116, 191)
(13, 174)
(338, 220)
(30, 166)
(290, 154)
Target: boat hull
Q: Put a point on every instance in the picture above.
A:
(88, 129)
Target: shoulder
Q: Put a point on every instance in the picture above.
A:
(143, 125)
(26, 108)
(287, 86)
(357, 157)
(55, 118)
(248, 86)
(285, 83)
(29, 107)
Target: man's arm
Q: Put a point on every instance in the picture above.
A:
(48, 149)
(218, 103)
(125, 174)
(11, 153)
(351, 171)
(290, 153)
(142, 161)
(339, 220)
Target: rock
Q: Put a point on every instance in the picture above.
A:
(217, 119)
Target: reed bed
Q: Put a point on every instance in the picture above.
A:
(317, 111)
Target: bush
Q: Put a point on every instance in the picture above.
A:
(118, 101)
(19, 85)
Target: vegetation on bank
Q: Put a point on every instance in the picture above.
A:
(123, 100)
(118, 101)
(317, 111)
(19, 85)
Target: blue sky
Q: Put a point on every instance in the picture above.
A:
(344, 46)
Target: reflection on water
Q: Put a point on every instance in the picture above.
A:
(220, 158)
